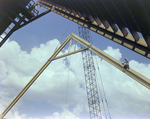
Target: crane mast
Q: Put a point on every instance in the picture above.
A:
(90, 77)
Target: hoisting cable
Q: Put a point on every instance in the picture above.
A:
(67, 88)
(101, 94)
(63, 36)
(68, 68)
(103, 89)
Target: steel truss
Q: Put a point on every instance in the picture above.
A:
(132, 73)
(22, 20)
(139, 46)
(90, 78)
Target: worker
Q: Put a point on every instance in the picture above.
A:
(126, 64)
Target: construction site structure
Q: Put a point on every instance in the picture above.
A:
(90, 77)
(116, 20)
(87, 46)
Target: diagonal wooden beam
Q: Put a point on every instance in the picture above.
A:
(132, 73)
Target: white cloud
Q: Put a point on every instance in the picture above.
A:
(15, 115)
(141, 67)
(66, 114)
(113, 52)
(125, 96)
(78, 109)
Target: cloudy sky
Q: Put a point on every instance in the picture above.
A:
(30, 47)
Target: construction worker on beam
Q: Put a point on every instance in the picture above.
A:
(126, 64)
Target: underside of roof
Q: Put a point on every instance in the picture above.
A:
(10, 10)
(131, 14)
(129, 19)
(126, 22)
(14, 14)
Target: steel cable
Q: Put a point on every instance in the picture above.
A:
(67, 88)
(103, 89)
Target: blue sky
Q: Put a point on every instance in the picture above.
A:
(28, 49)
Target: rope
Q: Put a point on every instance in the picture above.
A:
(67, 89)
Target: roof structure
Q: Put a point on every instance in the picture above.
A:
(13, 15)
(10, 10)
(126, 22)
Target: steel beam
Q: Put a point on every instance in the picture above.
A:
(31, 20)
(127, 41)
(18, 26)
(10, 32)
(16, 23)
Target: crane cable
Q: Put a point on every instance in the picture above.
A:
(101, 92)
(103, 89)
(62, 36)
(67, 88)
(68, 69)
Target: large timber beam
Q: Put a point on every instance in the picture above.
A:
(132, 73)
(34, 78)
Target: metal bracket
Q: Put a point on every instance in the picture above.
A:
(87, 48)
(51, 59)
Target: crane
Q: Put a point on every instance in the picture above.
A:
(90, 77)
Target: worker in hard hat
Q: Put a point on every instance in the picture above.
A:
(126, 64)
